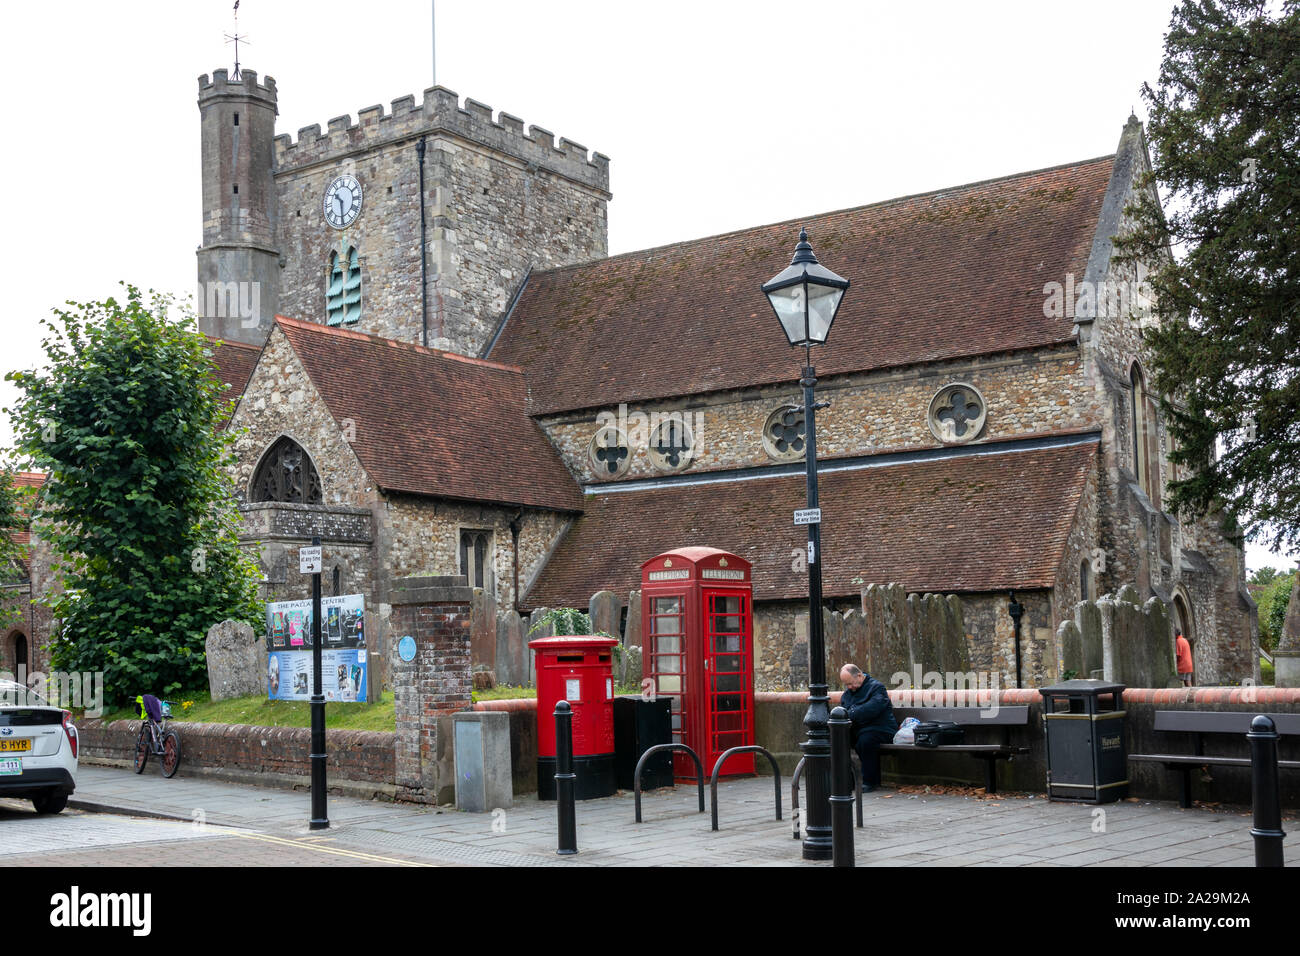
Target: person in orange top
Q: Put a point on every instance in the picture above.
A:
(1183, 654)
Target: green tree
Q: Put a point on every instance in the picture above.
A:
(138, 507)
(15, 504)
(1273, 599)
(1222, 131)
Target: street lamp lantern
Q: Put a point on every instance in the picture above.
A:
(805, 296)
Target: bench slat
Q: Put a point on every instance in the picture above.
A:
(1016, 716)
(1196, 760)
(1221, 722)
(965, 748)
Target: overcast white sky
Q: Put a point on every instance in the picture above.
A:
(717, 114)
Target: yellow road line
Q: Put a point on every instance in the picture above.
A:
(307, 843)
(337, 851)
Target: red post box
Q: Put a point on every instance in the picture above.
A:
(697, 626)
(581, 671)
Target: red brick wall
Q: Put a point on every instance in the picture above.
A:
(360, 755)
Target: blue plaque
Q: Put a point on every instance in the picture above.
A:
(406, 649)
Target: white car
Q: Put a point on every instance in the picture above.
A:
(38, 749)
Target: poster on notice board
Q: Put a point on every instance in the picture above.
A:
(343, 649)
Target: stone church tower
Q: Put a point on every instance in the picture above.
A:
(239, 264)
(485, 200)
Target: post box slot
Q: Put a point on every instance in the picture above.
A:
(569, 658)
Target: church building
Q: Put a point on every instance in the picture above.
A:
(438, 369)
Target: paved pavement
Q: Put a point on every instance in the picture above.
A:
(217, 823)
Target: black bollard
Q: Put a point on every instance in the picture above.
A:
(565, 779)
(841, 798)
(1264, 792)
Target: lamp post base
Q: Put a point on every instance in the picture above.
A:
(817, 840)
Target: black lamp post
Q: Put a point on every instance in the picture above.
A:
(806, 298)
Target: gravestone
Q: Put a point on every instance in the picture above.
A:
(1286, 659)
(237, 660)
(1088, 618)
(510, 649)
(632, 636)
(605, 609)
(1070, 639)
(483, 631)
(884, 611)
(632, 666)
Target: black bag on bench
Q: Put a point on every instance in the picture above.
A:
(934, 733)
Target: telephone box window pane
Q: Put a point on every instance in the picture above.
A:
(670, 644)
(726, 702)
(731, 662)
(669, 663)
(666, 625)
(728, 682)
(724, 604)
(668, 605)
(722, 645)
(669, 684)
(727, 625)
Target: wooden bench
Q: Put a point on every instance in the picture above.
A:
(1201, 722)
(1004, 718)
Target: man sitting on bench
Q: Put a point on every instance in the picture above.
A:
(872, 713)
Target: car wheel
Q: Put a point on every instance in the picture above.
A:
(142, 749)
(171, 756)
(50, 802)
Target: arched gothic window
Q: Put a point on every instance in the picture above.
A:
(476, 558)
(343, 290)
(1146, 466)
(286, 474)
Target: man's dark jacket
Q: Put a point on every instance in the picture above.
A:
(869, 707)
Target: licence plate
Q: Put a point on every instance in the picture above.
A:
(11, 746)
(10, 766)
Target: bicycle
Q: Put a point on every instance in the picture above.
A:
(155, 736)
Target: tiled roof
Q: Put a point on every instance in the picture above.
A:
(947, 274)
(26, 479)
(235, 362)
(434, 423)
(976, 523)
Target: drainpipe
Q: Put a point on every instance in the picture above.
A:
(424, 253)
(514, 535)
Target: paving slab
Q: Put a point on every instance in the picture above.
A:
(902, 829)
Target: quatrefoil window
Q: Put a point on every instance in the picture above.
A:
(957, 414)
(609, 452)
(672, 446)
(783, 433)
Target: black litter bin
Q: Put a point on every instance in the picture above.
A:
(640, 724)
(1087, 760)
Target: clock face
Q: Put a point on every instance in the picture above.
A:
(343, 202)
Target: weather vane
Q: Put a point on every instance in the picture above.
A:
(235, 38)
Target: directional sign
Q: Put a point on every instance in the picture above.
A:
(808, 516)
(309, 559)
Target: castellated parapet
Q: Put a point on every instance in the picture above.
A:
(247, 85)
(440, 112)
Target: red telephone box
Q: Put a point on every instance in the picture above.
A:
(581, 671)
(697, 627)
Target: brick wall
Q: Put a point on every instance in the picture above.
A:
(360, 761)
(435, 612)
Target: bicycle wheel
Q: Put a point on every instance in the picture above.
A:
(142, 748)
(171, 753)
